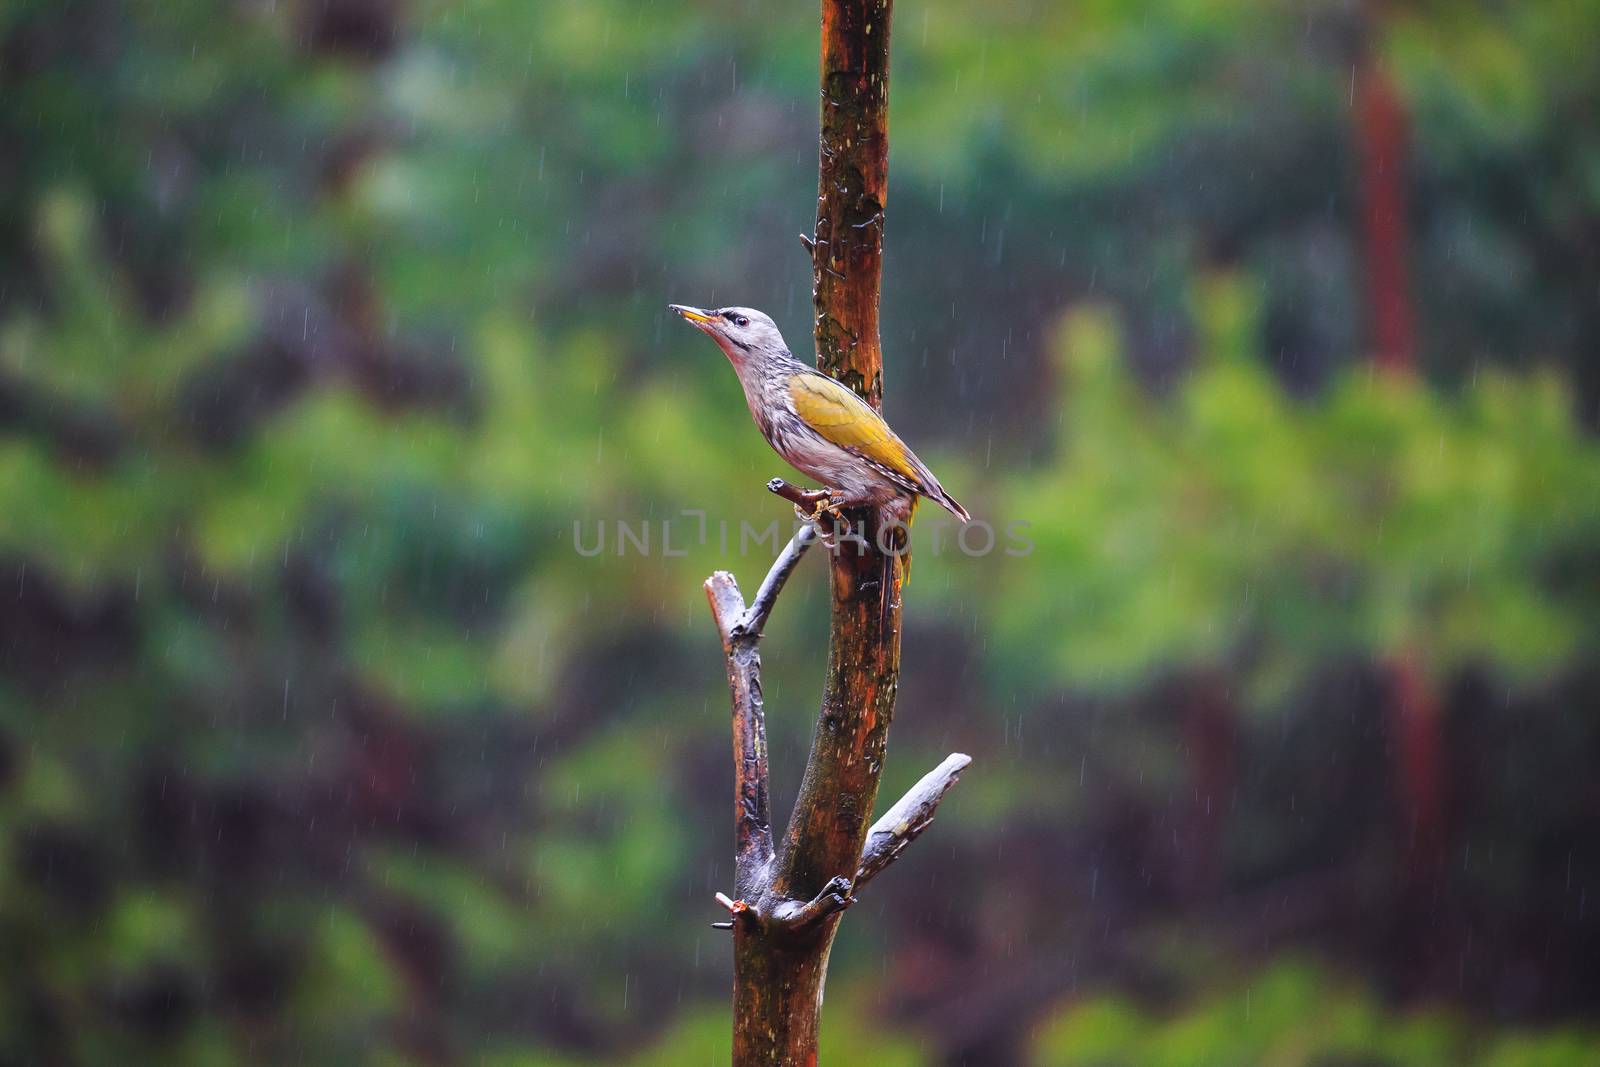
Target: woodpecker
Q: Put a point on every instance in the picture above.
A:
(820, 427)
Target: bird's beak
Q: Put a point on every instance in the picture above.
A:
(702, 319)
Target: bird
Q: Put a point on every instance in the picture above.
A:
(819, 426)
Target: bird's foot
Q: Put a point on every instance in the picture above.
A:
(833, 511)
(806, 501)
(823, 507)
(825, 518)
(838, 503)
(820, 501)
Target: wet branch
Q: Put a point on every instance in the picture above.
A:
(911, 814)
(763, 904)
(767, 595)
(740, 629)
(790, 895)
(781, 931)
(794, 915)
(805, 501)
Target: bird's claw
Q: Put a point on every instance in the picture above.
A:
(818, 499)
(830, 504)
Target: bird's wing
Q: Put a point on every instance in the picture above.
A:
(842, 417)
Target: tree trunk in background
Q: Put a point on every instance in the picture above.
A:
(1419, 760)
(1381, 135)
(1415, 723)
(1209, 734)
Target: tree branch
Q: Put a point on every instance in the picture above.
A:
(783, 934)
(727, 606)
(904, 823)
(755, 619)
(740, 629)
(805, 501)
(795, 916)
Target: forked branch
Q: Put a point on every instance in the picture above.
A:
(759, 902)
(740, 629)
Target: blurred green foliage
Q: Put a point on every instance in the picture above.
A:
(1293, 1015)
(330, 331)
(1229, 520)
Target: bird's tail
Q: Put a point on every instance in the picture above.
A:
(949, 503)
(897, 561)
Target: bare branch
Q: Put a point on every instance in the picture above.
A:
(794, 915)
(727, 606)
(761, 607)
(740, 630)
(737, 910)
(910, 815)
(752, 817)
(805, 500)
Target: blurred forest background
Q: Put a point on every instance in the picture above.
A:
(325, 325)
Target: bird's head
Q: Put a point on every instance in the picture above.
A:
(743, 333)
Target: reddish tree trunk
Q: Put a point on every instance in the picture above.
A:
(778, 980)
(1415, 726)
(1419, 757)
(1381, 134)
(790, 897)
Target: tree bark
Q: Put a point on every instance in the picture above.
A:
(1381, 129)
(790, 897)
(782, 927)
(829, 825)
(852, 189)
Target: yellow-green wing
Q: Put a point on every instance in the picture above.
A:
(845, 419)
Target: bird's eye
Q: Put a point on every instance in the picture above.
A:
(740, 320)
